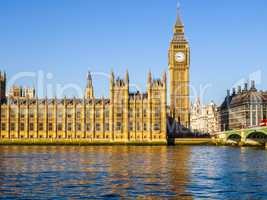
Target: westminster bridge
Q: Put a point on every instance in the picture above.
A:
(250, 136)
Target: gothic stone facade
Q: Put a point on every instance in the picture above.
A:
(243, 109)
(123, 117)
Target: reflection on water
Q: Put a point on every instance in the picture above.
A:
(137, 172)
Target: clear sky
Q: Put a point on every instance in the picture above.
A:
(228, 41)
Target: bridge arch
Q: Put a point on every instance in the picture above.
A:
(257, 135)
(234, 136)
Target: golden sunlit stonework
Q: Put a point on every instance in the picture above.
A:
(179, 61)
(123, 117)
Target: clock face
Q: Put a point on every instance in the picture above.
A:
(180, 57)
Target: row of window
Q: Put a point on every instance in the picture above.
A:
(50, 127)
(70, 113)
(156, 126)
(78, 115)
(69, 126)
(180, 46)
(157, 113)
(85, 136)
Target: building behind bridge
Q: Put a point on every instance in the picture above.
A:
(203, 118)
(243, 108)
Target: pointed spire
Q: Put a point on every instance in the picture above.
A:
(198, 102)
(112, 77)
(89, 79)
(149, 78)
(127, 77)
(164, 77)
(178, 18)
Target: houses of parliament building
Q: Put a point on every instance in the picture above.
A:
(123, 117)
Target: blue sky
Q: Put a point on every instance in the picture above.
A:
(69, 37)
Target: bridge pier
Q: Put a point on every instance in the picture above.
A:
(243, 139)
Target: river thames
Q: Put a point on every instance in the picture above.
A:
(119, 172)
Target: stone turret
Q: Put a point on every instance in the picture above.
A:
(89, 91)
(2, 86)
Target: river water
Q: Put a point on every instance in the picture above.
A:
(123, 172)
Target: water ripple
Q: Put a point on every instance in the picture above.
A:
(199, 172)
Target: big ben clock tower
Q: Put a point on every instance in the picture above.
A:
(179, 61)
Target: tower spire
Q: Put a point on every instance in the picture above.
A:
(112, 77)
(89, 79)
(178, 18)
(149, 77)
(127, 77)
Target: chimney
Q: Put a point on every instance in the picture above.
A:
(234, 92)
(239, 90)
(228, 93)
(246, 87)
(253, 87)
